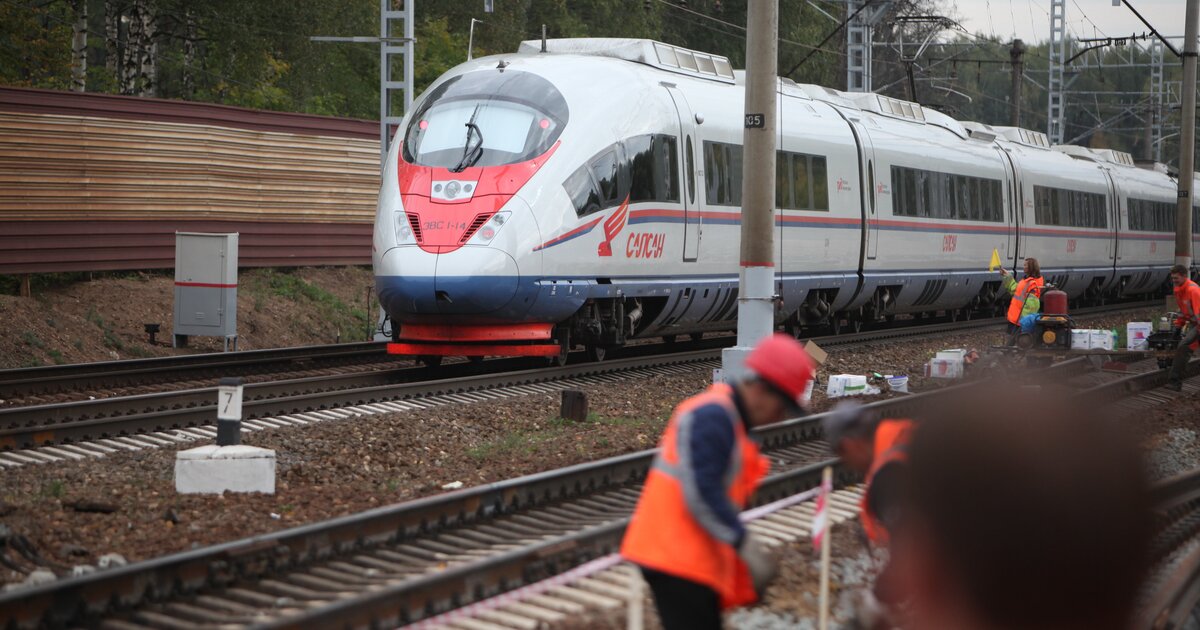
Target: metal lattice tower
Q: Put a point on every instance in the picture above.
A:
(1156, 94)
(1055, 86)
(859, 39)
(395, 47)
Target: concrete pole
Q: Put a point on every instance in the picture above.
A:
(1187, 139)
(756, 301)
(1017, 52)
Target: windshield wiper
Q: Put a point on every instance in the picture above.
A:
(470, 155)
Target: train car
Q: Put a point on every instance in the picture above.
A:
(588, 191)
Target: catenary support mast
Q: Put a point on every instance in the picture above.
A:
(756, 301)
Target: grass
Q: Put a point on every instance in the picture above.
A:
(57, 356)
(111, 340)
(265, 284)
(31, 339)
(557, 431)
(55, 489)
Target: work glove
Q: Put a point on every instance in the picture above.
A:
(762, 565)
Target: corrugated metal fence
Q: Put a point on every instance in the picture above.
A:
(92, 182)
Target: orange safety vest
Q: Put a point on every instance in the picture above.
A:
(1024, 288)
(666, 535)
(891, 446)
(1187, 299)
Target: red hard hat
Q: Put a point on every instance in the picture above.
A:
(782, 362)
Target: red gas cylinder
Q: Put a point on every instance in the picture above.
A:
(1054, 302)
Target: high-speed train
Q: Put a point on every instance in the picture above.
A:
(583, 192)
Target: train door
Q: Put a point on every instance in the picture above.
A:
(1115, 214)
(689, 144)
(1015, 204)
(869, 184)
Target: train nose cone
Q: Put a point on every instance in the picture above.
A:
(405, 278)
(475, 280)
(471, 281)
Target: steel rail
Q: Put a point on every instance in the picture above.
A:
(73, 600)
(58, 378)
(1173, 592)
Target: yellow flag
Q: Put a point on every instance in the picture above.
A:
(995, 260)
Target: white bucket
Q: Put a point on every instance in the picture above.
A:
(898, 383)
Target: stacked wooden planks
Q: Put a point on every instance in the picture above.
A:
(97, 182)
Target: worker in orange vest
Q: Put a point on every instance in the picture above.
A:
(1026, 295)
(879, 451)
(685, 534)
(1187, 299)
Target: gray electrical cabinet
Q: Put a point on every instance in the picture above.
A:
(206, 267)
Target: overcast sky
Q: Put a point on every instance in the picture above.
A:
(1030, 19)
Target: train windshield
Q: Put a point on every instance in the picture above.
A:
(487, 118)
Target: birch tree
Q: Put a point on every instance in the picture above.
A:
(79, 47)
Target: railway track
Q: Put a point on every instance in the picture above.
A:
(1171, 597)
(82, 382)
(27, 386)
(412, 561)
(173, 416)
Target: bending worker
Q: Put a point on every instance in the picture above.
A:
(1187, 298)
(685, 535)
(879, 451)
(1026, 295)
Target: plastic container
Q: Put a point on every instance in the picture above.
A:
(1136, 334)
(941, 367)
(898, 383)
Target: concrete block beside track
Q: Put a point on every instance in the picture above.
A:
(215, 469)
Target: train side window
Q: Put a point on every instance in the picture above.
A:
(653, 168)
(666, 150)
(783, 182)
(582, 191)
(604, 169)
(723, 173)
(639, 153)
(819, 183)
(690, 172)
(871, 180)
(802, 189)
(715, 171)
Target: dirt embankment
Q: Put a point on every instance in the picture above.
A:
(76, 320)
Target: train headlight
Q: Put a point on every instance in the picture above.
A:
(488, 231)
(404, 233)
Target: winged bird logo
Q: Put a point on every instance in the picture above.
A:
(612, 227)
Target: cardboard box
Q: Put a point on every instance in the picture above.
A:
(846, 385)
(1103, 340)
(816, 352)
(1136, 334)
(942, 367)
(1081, 339)
(958, 354)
